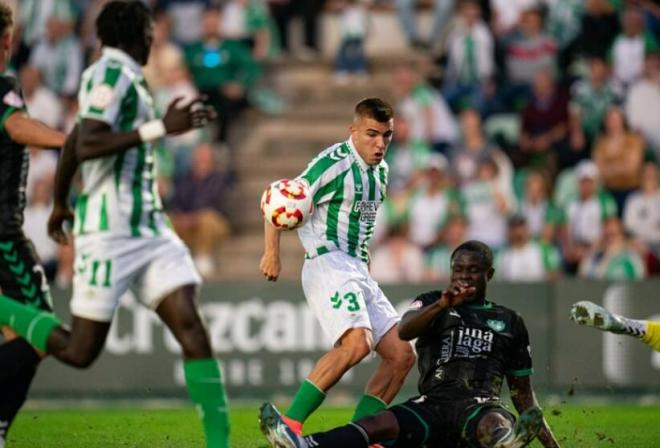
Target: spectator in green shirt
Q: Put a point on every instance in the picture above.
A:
(223, 70)
(614, 258)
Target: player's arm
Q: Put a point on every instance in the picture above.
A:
(523, 397)
(66, 169)
(27, 131)
(97, 139)
(416, 321)
(270, 264)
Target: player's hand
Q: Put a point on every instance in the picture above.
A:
(56, 222)
(456, 293)
(270, 266)
(181, 118)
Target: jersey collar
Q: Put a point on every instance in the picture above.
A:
(363, 165)
(485, 306)
(123, 57)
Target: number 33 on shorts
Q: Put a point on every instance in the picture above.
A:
(351, 301)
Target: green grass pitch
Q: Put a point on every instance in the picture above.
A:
(585, 427)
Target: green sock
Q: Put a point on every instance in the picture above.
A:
(207, 391)
(368, 405)
(31, 323)
(308, 398)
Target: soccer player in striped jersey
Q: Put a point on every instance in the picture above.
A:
(348, 181)
(21, 275)
(122, 238)
(592, 315)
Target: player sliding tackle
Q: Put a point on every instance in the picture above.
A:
(348, 182)
(122, 236)
(592, 315)
(466, 346)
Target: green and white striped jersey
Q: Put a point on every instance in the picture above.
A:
(347, 193)
(119, 194)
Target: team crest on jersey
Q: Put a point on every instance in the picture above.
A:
(496, 325)
(101, 96)
(13, 99)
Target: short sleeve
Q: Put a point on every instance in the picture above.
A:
(519, 359)
(425, 299)
(12, 100)
(323, 174)
(103, 95)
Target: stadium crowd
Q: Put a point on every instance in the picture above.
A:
(533, 126)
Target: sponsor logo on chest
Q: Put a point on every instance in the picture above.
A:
(472, 342)
(367, 210)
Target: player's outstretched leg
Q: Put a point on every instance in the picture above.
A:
(592, 315)
(202, 370)
(524, 430)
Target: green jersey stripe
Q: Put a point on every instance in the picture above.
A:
(103, 222)
(333, 210)
(324, 163)
(372, 184)
(136, 214)
(354, 215)
(111, 76)
(81, 213)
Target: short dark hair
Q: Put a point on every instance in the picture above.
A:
(122, 23)
(375, 108)
(6, 18)
(478, 248)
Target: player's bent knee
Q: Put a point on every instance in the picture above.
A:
(405, 359)
(81, 360)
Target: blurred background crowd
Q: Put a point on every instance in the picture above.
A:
(533, 125)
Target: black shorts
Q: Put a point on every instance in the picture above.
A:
(442, 423)
(21, 276)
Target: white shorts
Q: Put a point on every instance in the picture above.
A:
(342, 295)
(106, 267)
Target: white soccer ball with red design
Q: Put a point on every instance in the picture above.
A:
(287, 204)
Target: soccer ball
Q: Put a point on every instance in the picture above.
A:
(287, 204)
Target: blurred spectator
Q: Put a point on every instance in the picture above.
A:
(223, 70)
(397, 260)
(351, 59)
(423, 107)
(470, 59)
(524, 259)
(630, 47)
(614, 258)
(541, 215)
(590, 99)
(406, 156)
(543, 137)
(619, 155)
(641, 215)
(442, 14)
(33, 15)
(249, 21)
(58, 56)
(642, 103)
(283, 11)
(473, 147)
(42, 166)
(36, 215)
(563, 22)
(186, 16)
(528, 51)
(487, 205)
(198, 208)
(507, 14)
(438, 258)
(432, 204)
(165, 55)
(42, 104)
(584, 217)
(600, 25)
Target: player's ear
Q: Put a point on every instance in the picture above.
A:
(490, 273)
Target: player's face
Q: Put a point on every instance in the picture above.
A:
(468, 267)
(371, 138)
